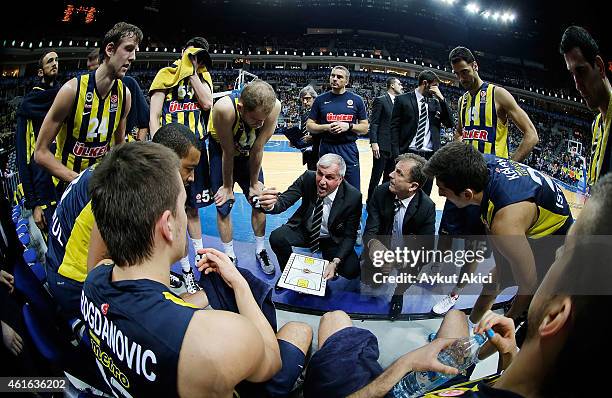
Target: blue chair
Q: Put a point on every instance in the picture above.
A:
(24, 238)
(28, 283)
(22, 229)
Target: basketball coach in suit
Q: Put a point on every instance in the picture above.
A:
(380, 134)
(326, 221)
(400, 215)
(417, 118)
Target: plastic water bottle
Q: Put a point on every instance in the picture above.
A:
(461, 355)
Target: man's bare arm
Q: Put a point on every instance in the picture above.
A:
(223, 119)
(157, 102)
(459, 131)
(256, 153)
(509, 237)
(362, 127)
(120, 132)
(315, 128)
(202, 92)
(522, 121)
(59, 111)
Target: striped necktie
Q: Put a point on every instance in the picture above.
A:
(317, 219)
(420, 136)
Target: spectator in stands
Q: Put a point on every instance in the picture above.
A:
(417, 118)
(340, 117)
(584, 61)
(380, 134)
(310, 154)
(130, 294)
(326, 221)
(93, 60)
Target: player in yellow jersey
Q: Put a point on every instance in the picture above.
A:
(89, 113)
(584, 62)
(240, 126)
(182, 94)
(485, 111)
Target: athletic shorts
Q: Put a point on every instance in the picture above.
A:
(199, 193)
(347, 362)
(241, 174)
(293, 364)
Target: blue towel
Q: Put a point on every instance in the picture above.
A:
(221, 296)
(347, 362)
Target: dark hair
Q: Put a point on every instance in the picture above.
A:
(461, 54)
(459, 167)
(416, 171)
(197, 42)
(177, 137)
(258, 95)
(44, 54)
(578, 37)
(93, 54)
(428, 75)
(130, 189)
(601, 200)
(120, 31)
(390, 81)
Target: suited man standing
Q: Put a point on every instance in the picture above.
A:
(417, 117)
(327, 220)
(398, 212)
(380, 134)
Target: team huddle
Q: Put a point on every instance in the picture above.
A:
(121, 208)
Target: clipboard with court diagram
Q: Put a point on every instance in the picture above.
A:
(304, 274)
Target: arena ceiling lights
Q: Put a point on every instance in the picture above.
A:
(492, 15)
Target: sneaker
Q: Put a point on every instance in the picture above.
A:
(190, 283)
(444, 305)
(175, 280)
(264, 262)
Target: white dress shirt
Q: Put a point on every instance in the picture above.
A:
(328, 201)
(398, 221)
(427, 144)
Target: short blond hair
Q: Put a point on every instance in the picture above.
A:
(258, 95)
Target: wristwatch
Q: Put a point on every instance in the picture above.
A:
(350, 127)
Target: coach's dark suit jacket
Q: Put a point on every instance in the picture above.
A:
(419, 220)
(380, 122)
(405, 120)
(344, 215)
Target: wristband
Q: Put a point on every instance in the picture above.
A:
(350, 127)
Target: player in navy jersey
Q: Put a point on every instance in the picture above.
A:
(339, 117)
(146, 340)
(516, 203)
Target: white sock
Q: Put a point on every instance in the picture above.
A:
(228, 248)
(260, 242)
(197, 244)
(185, 264)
